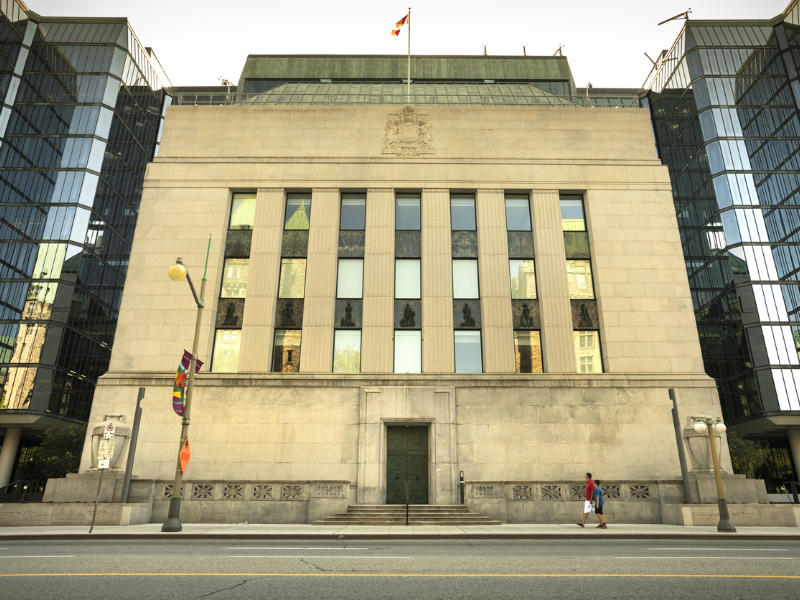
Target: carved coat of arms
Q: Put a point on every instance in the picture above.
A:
(408, 133)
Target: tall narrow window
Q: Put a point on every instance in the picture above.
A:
(407, 212)
(523, 279)
(406, 278)
(347, 351)
(468, 352)
(354, 211)
(350, 278)
(462, 212)
(407, 351)
(465, 279)
(286, 356)
(585, 318)
(233, 288)
(293, 278)
(298, 212)
(528, 351)
(518, 213)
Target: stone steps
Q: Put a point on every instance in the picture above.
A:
(418, 514)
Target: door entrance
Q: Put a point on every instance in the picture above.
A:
(407, 465)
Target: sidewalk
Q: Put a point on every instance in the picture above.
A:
(362, 532)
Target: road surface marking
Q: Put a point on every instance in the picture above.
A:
(728, 549)
(291, 548)
(42, 556)
(387, 575)
(713, 557)
(315, 556)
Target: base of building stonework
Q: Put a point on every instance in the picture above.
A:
(284, 502)
(19, 514)
(742, 515)
(629, 502)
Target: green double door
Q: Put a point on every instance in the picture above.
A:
(407, 465)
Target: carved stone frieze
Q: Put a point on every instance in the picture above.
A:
(408, 133)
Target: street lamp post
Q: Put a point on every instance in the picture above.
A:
(708, 425)
(178, 272)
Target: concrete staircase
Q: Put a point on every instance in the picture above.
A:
(418, 514)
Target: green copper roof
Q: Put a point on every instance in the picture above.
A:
(373, 68)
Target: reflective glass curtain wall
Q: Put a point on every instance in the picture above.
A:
(81, 114)
(724, 103)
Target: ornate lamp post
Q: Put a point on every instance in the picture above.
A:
(178, 272)
(709, 426)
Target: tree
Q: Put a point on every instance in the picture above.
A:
(58, 454)
(747, 456)
(347, 359)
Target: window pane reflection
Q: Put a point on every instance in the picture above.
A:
(528, 351)
(298, 212)
(587, 351)
(468, 352)
(407, 212)
(465, 279)
(286, 357)
(523, 279)
(353, 213)
(243, 211)
(408, 352)
(579, 277)
(462, 212)
(234, 279)
(293, 278)
(406, 279)
(350, 278)
(226, 351)
(572, 214)
(518, 215)
(347, 351)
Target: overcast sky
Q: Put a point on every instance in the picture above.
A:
(197, 41)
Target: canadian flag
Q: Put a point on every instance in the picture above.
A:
(400, 24)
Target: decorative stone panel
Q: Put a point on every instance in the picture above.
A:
(584, 314)
(611, 491)
(408, 314)
(525, 314)
(576, 244)
(351, 244)
(551, 492)
(168, 487)
(520, 244)
(640, 492)
(464, 244)
(407, 244)
(203, 491)
(294, 244)
(522, 492)
(577, 492)
(263, 491)
(233, 491)
(237, 243)
(292, 492)
(348, 314)
(289, 313)
(467, 314)
(229, 313)
(327, 490)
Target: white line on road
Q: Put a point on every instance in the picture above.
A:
(713, 557)
(317, 556)
(293, 548)
(728, 549)
(43, 556)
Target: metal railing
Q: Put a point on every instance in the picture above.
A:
(271, 98)
(29, 490)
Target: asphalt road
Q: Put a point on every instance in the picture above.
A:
(407, 569)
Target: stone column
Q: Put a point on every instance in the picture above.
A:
(794, 444)
(377, 329)
(258, 321)
(558, 351)
(8, 454)
(316, 353)
(495, 288)
(438, 351)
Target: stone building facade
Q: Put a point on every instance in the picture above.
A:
(509, 279)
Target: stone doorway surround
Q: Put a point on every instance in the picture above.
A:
(381, 407)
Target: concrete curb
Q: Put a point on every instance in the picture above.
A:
(398, 536)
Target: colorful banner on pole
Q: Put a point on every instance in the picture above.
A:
(185, 455)
(179, 391)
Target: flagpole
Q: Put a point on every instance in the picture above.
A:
(408, 97)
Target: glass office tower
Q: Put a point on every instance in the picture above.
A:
(724, 103)
(82, 108)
